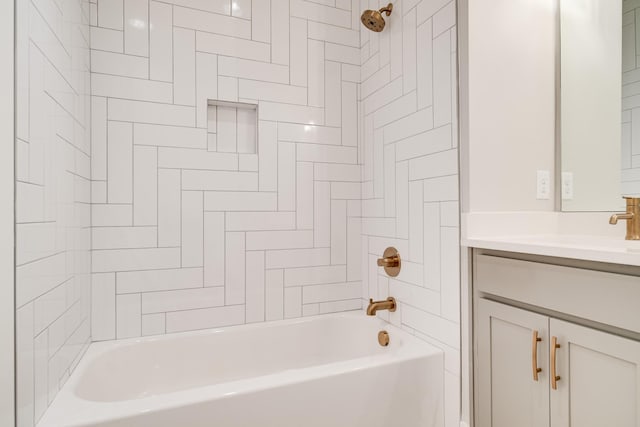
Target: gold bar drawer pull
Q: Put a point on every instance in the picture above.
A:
(554, 378)
(534, 355)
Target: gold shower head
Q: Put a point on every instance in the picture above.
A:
(373, 20)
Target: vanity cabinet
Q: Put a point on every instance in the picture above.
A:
(598, 374)
(596, 365)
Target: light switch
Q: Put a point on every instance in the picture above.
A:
(543, 187)
(567, 186)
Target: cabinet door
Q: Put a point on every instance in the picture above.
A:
(599, 381)
(507, 394)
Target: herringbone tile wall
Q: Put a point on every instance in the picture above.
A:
(193, 225)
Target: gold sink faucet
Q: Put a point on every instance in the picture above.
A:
(374, 306)
(632, 216)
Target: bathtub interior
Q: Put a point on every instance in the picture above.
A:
(143, 367)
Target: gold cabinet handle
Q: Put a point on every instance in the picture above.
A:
(554, 378)
(534, 355)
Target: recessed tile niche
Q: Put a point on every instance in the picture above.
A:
(232, 127)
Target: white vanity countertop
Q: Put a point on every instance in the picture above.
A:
(551, 234)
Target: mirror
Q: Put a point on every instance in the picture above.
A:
(599, 103)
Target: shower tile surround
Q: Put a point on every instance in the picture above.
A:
(53, 198)
(356, 150)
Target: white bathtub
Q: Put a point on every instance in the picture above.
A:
(324, 371)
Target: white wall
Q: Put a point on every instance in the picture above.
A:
(53, 195)
(509, 103)
(7, 308)
(188, 232)
(408, 108)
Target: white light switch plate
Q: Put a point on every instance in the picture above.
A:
(567, 186)
(543, 185)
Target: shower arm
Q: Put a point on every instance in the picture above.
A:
(387, 10)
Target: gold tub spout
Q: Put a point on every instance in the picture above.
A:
(374, 306)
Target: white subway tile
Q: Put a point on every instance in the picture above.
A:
(425, 65)
(409, 51)
(274, 92)
(160, 41)
(338, 232)
(270, 111)
(280, 32)
(318, 12)
(158, 280)
(240, 201)
(444, 19)
(227, 127)
(415, 296)
(231, 46)
(119, 64)
(134, 259)
(442, 113)
(402, 199)
(354, 249)
(309, 133)
(169, 136)
(183, 299)
(169, 210)
(261, 240)
(214, 248)
(326, 153)
(192, 227)
(389, 181)
(120, 163)
(322, 214)
(211, 22)
(103, 306)
(219, 180)
(315, 73)
(274, 294)
(128, 316)
(432, 251)
(331, 292)
(136, 27)
(123, 237)
(304, 195)
(107, 39)
(425, 143)
(111, 215)
(286, 176)
(268, 155)
(145, 186)
(254, 70)
(434, 165)
(349, 114)
(189, 320)
(261, 21)
(261, 221)
(292, 302)
(315, 275)
(416, 222)
(153, 324)
(150, 112)
(333, 94)
(110, 14)
(184, 65)
(336, 172)
(334, 34)
(289, 258)
(235, 283)
(206, 85)
(255, 298)
(298, 48)
(441, 189)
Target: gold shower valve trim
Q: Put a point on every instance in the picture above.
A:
(390, 261)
